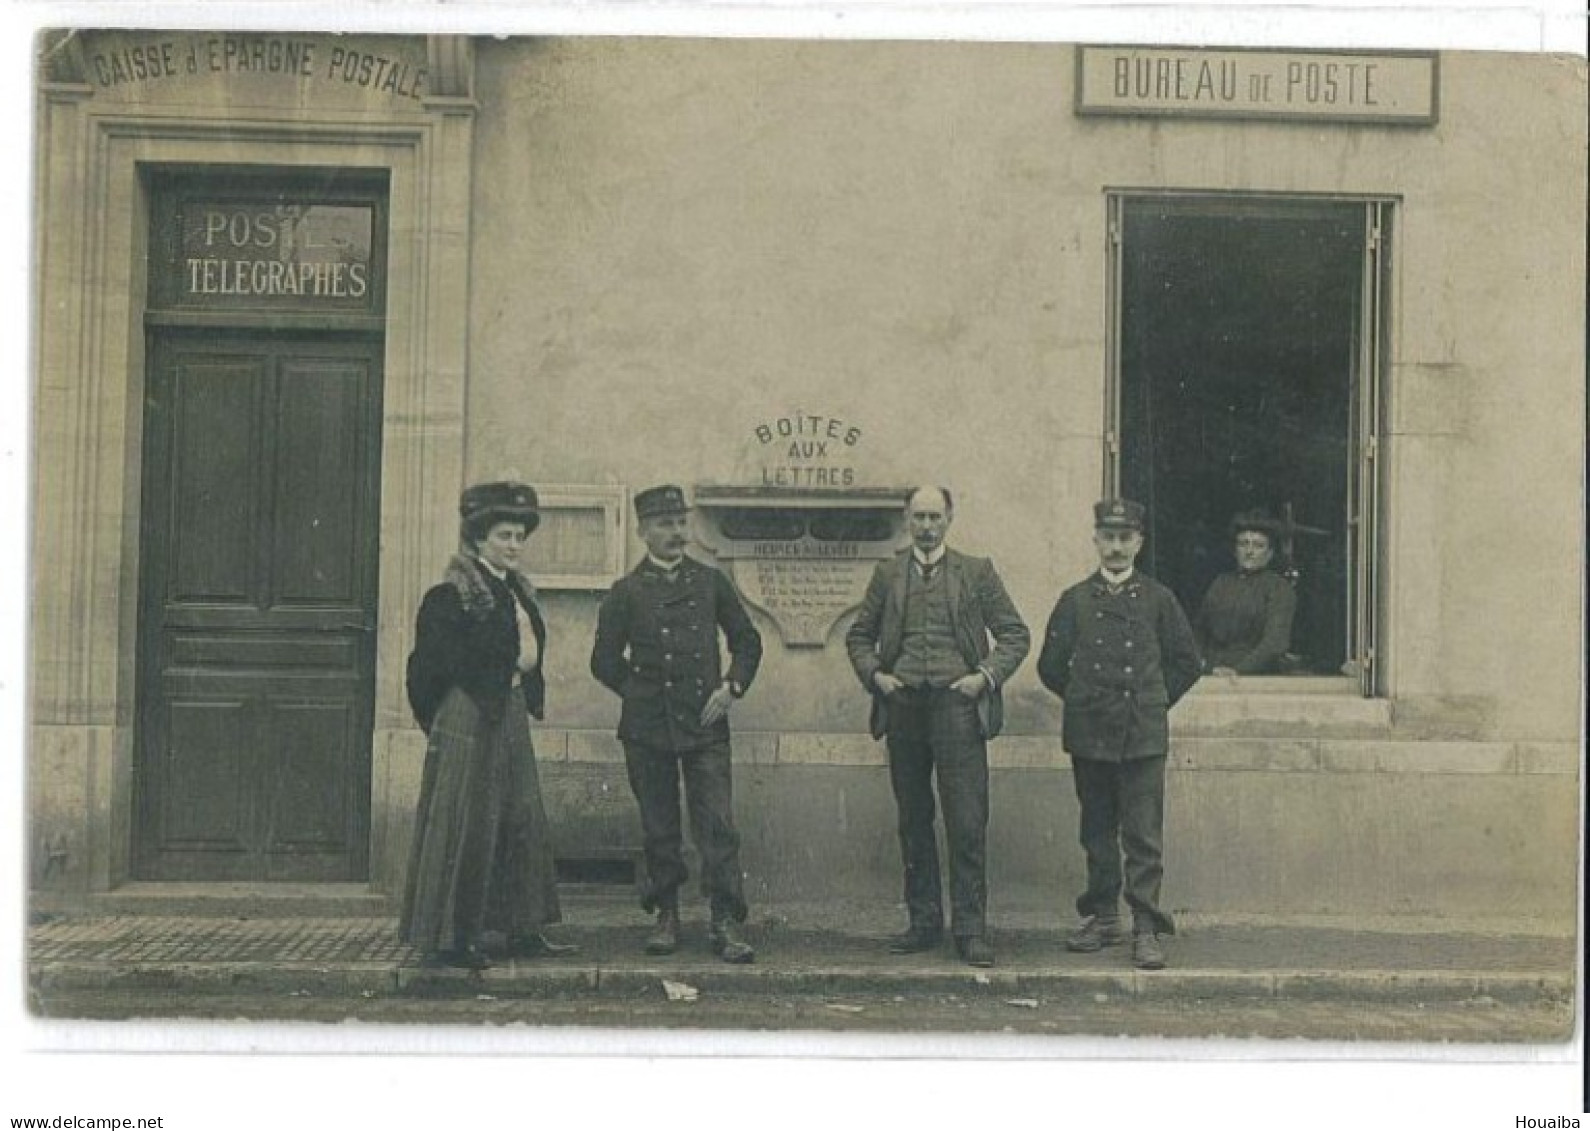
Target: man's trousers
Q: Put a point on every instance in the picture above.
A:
(654, 776)
(1123, 812)
(933, 732)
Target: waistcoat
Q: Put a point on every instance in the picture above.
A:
(928, 654)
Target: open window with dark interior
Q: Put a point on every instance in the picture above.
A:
(1245, 367)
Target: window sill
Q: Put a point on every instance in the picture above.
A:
(1276, 685)
(1300, 704)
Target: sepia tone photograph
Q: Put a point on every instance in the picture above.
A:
(959, 539)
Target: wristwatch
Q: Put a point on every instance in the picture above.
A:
(734, 688)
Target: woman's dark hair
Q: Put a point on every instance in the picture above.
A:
(1257, 522)
(473, 530)
(484, 505)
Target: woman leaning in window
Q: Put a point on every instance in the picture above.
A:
(1244, 626)
(482, 857)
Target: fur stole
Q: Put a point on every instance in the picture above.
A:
(466, 575)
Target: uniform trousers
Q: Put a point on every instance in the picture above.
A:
(934, 732)
(654, 776)
(1123, 810)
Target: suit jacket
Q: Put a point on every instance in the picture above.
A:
(467, 636)
(1120, 661)
(657, 647)
(980, 610)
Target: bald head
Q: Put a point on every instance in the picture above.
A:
(928, 513)
(930, 495)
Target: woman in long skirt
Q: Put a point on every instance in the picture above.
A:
(481, 858)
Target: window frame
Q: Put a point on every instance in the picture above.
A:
(1367, 412)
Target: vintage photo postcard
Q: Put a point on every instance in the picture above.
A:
(947, 539)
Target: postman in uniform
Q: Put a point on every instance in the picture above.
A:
(1120, 651)
(657, 647)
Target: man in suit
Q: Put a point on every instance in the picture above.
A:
(1120, 652)
(657, 648)
(920, 646)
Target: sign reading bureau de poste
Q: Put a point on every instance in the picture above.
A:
(1319, 86)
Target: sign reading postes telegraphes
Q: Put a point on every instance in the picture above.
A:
(1385, 88)
(279, 251)
(299, 252)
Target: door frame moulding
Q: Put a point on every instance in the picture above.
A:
(92, 229)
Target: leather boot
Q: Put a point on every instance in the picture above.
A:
(728, 945)
(1095, 933)
(1146, 951)
(664, 938)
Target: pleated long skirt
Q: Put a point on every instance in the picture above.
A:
(481, 857)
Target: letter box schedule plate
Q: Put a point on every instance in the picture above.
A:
(1385, 88)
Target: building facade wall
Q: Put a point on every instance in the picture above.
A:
(672, 242)
(699, 236)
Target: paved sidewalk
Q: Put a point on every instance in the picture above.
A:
(817, 950)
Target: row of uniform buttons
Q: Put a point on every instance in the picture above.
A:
(669, 656)
(1099, 640)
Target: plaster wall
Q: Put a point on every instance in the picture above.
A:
(674, 241)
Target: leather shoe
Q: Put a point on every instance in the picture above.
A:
(728, 945)
(975, 951)
(1146, 952)
(664, 938)
(916, 940)
(533, 944)
(1095, 934)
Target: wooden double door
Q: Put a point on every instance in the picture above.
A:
(258, 606)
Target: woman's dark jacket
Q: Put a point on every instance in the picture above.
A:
(1246, 622)
(467, 636)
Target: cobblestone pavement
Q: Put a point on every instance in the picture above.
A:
(613, 938)
(180, 939)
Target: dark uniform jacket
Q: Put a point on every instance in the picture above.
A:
(467, 636)
(657, 647)
(1120, 661)
(979, 609)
